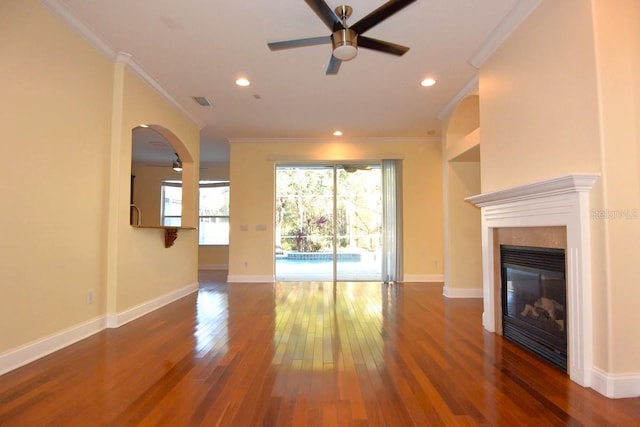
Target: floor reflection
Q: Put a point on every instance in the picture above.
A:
(212, 315)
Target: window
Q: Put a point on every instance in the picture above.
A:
(171, 209)
(214, 213)
(214, 210)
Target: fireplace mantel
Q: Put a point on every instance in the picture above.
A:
(566, 184)
(559, 201)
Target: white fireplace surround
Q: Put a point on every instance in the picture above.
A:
(561, 201)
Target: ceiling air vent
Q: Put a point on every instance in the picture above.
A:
(202, 101)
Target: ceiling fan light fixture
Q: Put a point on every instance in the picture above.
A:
(345, 44)
(177, 164)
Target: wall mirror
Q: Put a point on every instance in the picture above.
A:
(156, 196)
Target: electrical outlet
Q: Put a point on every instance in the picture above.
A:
(90, 296)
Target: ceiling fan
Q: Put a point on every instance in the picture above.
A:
(346, 39)
(355, 168)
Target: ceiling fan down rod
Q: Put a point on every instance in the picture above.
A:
(344, 12)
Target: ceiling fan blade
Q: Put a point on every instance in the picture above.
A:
(325, 13)
(379, 15)
(382, 46)
(288, 44)
(334, 66)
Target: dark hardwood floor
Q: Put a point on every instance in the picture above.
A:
(303, 354)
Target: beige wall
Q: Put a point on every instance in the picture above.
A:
(553, 103)
(213, 257)
(538, 99)
(140, 267)
(66, 127)
(54, 131)
(617, 35)
(464, 234)
(252, 198)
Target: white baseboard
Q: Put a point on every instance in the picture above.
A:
(34, 350)
(461, 292)
(118, 319)
(242, 278)
(213, 267)
(615, 386)
(428, 278)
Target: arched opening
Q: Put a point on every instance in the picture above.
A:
(157, 185)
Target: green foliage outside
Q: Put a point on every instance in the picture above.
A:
(304, 209)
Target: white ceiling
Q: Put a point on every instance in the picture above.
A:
(199, 48)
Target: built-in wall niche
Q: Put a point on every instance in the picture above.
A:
(153, 163)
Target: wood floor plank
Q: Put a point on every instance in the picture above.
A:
(303, 354)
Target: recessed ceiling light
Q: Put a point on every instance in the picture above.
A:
(428, 82)
(337, 133)
(243, 82)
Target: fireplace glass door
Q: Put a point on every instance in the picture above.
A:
(534, 301)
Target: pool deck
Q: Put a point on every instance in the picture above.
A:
(367, 268)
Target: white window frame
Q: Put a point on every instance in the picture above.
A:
(213, 184)
(202, 184)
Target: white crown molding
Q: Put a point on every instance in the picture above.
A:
(368, 140)
(511, 21)
(467, 89)
(506, 27)
(66, 15)
(128, 61)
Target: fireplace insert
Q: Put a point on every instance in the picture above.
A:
(534, 301)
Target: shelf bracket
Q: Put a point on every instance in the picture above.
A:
(170, 236)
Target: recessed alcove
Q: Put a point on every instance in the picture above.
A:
(461, 178)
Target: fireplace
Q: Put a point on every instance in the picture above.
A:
(560, 201)
(533, 292)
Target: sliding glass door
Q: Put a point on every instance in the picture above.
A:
(304, 223)
(359, 222)
(329, 222)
